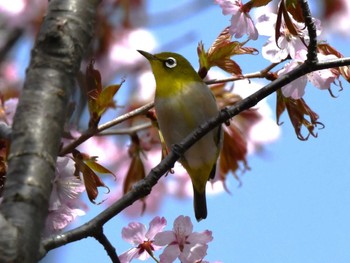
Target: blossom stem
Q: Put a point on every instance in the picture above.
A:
(152, 256)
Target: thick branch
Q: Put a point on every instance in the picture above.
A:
(144, 187)
(38, 125)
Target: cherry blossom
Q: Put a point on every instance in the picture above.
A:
(182, 243)
(287, 44)
(321, 79)
(64, 205)
(13, 7)
(136, 234)
(10, 106)
(296, 88)
(241, 22)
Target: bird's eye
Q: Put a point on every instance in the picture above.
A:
(170, 62)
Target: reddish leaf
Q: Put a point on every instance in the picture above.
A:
(234, 151)
(300, 115)
(327, 49)
(229, 66)
(99, 100)
(135, 173)
(288, 21)
(136, 170)
(280, 106)
(222, 39)
(93, 78)
(295, 10)
(91, 180)
(220, 53)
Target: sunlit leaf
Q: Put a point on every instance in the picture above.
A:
(203, 61)
(98, 168)
(222, 39)
(220, 53)
(105, 98)
(229, 66)
(91, 180)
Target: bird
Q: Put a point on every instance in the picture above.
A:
(183, 102)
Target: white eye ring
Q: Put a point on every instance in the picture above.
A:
(170, 62)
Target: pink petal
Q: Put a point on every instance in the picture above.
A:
(266, 24)
(155, 226)
(169, 254)
(273, 53)
(322, 79)
(134, 233)
(183, 226)
(229, 7)
(164, 238)
(296, 88)
(127, 256)
(193, 253)
(200, 238)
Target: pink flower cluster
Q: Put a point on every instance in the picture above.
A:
(241, 22)
(65, 204)
(181, 242)
(287, 45)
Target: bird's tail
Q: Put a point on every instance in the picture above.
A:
(200, 205)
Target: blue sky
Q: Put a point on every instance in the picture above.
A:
(293, 205)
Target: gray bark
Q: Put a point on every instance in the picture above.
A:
(38, 125)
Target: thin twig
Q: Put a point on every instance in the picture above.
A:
(126, 131)
(260, 74)
(89, 133)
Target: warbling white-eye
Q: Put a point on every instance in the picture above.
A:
(182, 103)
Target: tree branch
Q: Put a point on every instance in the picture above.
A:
(144, 187)
(264, 73)
(311, 28)
(103, 240)
(38, 125)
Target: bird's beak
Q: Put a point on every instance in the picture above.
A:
(147, 55)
